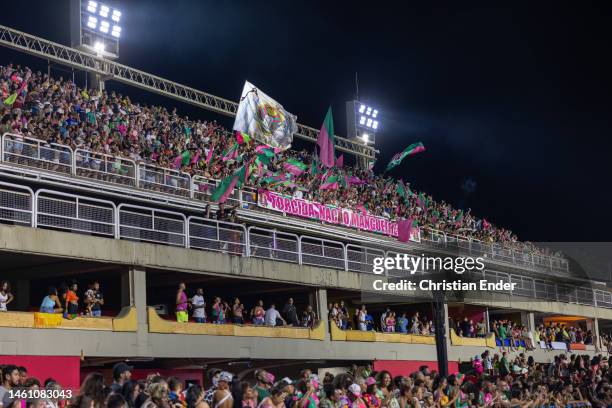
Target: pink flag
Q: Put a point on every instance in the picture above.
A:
(326, 142)
(196, 158)
(404, 230)
(210, 154)
(340, 161)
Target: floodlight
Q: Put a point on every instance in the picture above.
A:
(362, 120)
(92, 22)
(368, 111)
(104, 10)
(375, 113)
(104, 26)
(91, 6)
(99, 47)
(365, 137)
(362, 108)
(116, 15)
(116, 31)
(375, 125)
(369, 123)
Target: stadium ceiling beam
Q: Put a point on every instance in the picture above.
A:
(110, 70)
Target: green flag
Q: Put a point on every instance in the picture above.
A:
(11, 99)
(225, 188)
(409, 151)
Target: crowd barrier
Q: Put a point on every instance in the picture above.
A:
(24, 151)
(62, 211)
(125, 321)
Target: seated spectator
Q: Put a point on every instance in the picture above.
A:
(51, 302)
(273, 317)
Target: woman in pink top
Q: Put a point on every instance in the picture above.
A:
(181, 304)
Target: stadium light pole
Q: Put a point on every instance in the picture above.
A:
(439, 318)
(95, 28)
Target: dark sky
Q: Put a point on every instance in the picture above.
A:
(515, 98)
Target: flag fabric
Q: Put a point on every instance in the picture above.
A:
(231, 153)
(331, 183)
(409, 151)
(314, 164)
(196, 158)
(210, 154)
(295, 166)
(404, 230)
(340, 161)
(11, 99)
(356, 180)
(401, 190)
(242, 138)
(225, 188)
(371, 165)
(182, 159)
(263, 118)
(326, 141)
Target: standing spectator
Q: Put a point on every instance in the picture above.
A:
(309, 317)
(71, 309)
(198, 306)
(402, 324)
(23, 375)
(346, 315)
(91, 393)
(194, 397)
(361, 318)
(51, 302)
(6, 296)
(273, 317)
(10, 380)
(258, 314)
(94, 299)
(222, 398)
(290, 313)
(383, 319)
(121, 374)
(218, 311)
(238, 312)
(181, 304)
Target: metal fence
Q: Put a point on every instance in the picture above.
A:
(75, 213)
(16, 204)
(29, 152)
(70, 212)
(104, 167)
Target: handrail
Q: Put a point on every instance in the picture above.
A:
(190, 191)
(161, 224)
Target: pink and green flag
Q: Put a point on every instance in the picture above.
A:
(242, 138)
(326, 141)
(231, 153)
(182, 160)
(225, 188)
(331, 183)
(409, 151)
(210, 154)
(295, 166)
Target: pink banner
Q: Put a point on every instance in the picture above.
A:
(331, 215)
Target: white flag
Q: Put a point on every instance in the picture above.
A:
(263, 118)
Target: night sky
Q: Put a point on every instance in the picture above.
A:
(515, 99)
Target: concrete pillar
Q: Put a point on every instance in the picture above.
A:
(22, 296)
(596, 334)
(126, 289)
(321, 309)
(447, 330)
(531, 321)
(138, 298)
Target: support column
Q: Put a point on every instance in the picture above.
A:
(126, 289)
(321, 308)
(596, 334)
(138, 298)
(531, 321)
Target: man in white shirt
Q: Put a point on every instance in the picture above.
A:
(198, 304)
(272, 316)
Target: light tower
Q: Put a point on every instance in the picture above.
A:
(362, 124)
(95, 28)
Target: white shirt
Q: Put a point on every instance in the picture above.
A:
(198, 300)
(3, 299)
(271, 316)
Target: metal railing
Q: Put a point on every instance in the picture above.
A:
(29, 152)
(105, 167)
(86, 215)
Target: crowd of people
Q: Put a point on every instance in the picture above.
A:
(488, 381)
(220, 311)
(57, 111)
(63, 300)
(389, 321)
